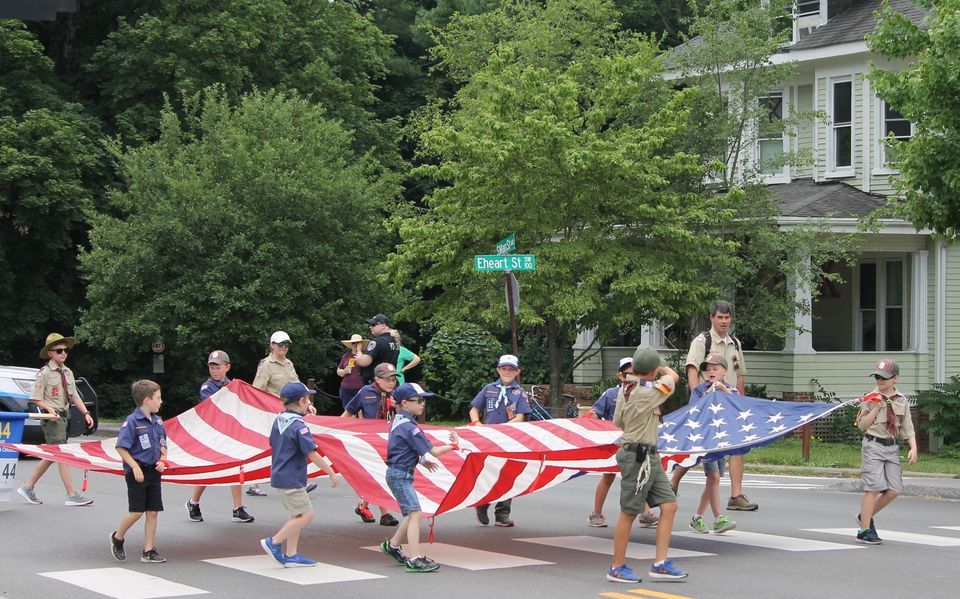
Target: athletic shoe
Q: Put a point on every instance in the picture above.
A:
(623, 573)
(29, 494)
(152, 557)
(741, 503)
(395, 552)
(256, 491)
(647, 519)
(77, 500)
(310, 488)
(240, 515)
(482, 514)
(364, 512)
(116, 548)
(722, 524)
(503, 520)
(667, 571)
(597, 520)
(272, 549)
(193, 511)
(872, 525)
(869, 537)
(388, 520)
(421, 564)
(298, 561)
(697, 524)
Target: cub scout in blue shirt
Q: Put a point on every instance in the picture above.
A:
(142, 445)
(292, 445)
(503, 400)
(407, 446)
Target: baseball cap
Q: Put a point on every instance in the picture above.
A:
(384, 370)
(624, 362)
(279, 336)
(292, 392)
(508, 360)
(714, 359)
(409, 391)
(378, 319)
(886, 369)
(646, 360)
(218, 356)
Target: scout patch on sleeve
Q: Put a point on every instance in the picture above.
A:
(371, 346)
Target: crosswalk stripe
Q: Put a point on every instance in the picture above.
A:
(261, 565)
(947, 527)
(472, 559)
(894, 535)
(634, 593)
(605, 547)
(767, 541)
(121, 583)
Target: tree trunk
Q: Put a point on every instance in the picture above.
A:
(555, 347)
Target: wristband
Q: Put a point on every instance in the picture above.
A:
(454, 447)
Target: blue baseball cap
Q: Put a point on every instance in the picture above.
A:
(409, 391)
(292, 392)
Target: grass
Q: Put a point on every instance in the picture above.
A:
(787, 452)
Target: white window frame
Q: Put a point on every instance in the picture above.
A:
(784, 175)
(881, 167)
(881, 307)
(832, 169)
(807, 18)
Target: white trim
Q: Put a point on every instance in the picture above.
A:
(800, 342)
(852, 225)
(866, 145)
(815, 172)
(880, 260)
(840, 174)
(918, 302)
(786, 141)
(831, 51)
(879, 165)
(940, 312)
(833, 170)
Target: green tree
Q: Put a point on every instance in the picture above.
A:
(927, 92)
(235, 223)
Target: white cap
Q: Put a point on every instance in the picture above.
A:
(279, 336)
(625, 362)
(508, 360)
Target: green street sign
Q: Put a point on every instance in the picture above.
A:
(501, 263)
(507, 244)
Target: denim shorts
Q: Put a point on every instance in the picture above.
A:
(401, 485)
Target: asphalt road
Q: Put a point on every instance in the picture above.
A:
(799, 544)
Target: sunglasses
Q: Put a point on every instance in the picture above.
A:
(283, 344)
(418, 400)
(60, 350)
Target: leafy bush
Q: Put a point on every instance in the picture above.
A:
(458, 361)
(601, 385)
(758, 391)
(942, 403)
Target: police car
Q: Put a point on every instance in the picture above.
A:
(16, 383)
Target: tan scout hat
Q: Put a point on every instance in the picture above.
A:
(53, 339)
(355, 338)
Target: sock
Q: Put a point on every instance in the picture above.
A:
(658, 564)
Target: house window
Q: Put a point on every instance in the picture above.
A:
(806, 18)
(893, 125)
(881, 319)
(770, 135)
(841, 125)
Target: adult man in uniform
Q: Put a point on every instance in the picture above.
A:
(383, 348)
(53, 393)
(723, 343)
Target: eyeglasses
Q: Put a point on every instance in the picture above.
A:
(60, 350)
(418, 400)
(283, 344)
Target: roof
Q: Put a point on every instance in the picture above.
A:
(853, 24)
(806, 198)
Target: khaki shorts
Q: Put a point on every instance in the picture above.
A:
(880, 466)
(656, 490)
(296, 501)
(55, 429)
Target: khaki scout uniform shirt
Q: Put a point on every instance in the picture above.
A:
(272, 375)
(639, 415)
(901, 408)
(726, 347)
(49, 387)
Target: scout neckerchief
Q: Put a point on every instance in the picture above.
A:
(387, 408)
(877, 397)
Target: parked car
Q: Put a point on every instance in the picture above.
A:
(17, 382)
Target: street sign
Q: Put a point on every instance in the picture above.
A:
(501, 263)
(507, 244)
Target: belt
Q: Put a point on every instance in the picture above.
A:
(881, 440)
(635, 446)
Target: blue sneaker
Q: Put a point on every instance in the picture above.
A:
(272, 550)
(623, 573)
(298, 561)
(667, 571)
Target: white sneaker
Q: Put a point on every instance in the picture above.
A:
(30, 495)
(77, 500)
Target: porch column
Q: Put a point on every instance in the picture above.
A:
(651, 334)
(918, 303)
(800, 342)
(592, 368)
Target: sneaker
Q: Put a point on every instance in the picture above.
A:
(597, 520)
(421, 564)
(503, 520)
(240, 515)
(298, 561)
(29, 494)
(116, 548)
(364, 512)
(272, 549)
(483, 516)
(872, 525)
(647, 519)
(77, 500)
(722, 524)
(741, 503)
(152, 557)
(310, 488)
(869, 537)
(697, 524)
(193, 511)
(256, 491)
(395, 552)
(388, 520)
(667, 571)
(623, 573)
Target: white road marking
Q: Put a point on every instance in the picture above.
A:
(470, 559)
(262, 565)
(947, 527)
(121, 583)
(756, 539)
(605, 546)
(894, 535)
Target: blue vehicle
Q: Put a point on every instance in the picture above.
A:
(17, 382)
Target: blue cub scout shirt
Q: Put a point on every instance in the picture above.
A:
(290, 442)
(701, 390)
(145, 438)
(406, 442)
(366, 402)
(606, 404)
(210, 386)
(493, 404)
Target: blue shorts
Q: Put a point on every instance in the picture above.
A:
(401, 485)
(713, 466)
